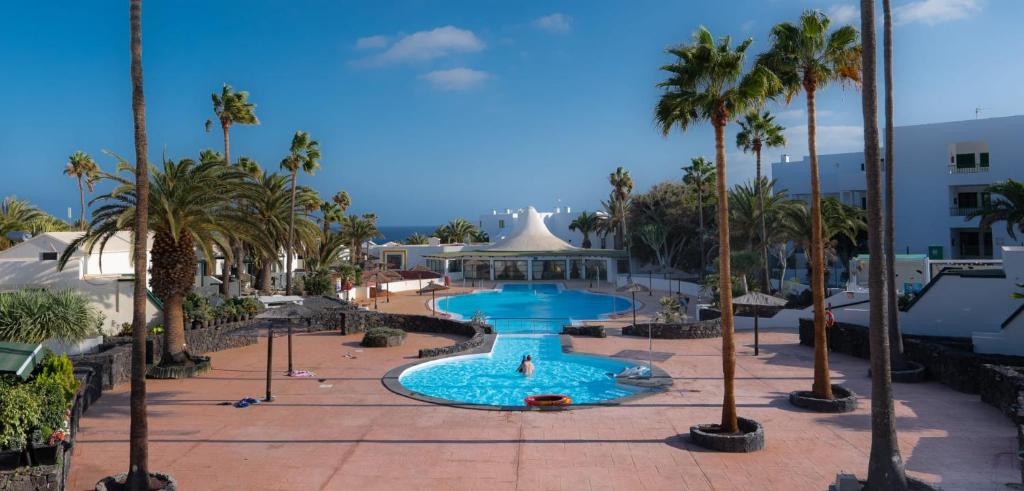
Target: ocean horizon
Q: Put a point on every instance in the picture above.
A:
(399, 233)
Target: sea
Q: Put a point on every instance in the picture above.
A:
(399, 233)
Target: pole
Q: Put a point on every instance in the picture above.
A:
(387, 291)
(433, 302)
(756, 345)
(270, 358)
(634, 309)
(650, 348)
(650, 283)
(376, 290)
(289, 347)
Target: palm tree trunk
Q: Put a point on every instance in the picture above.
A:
(895, 337)
(81, 198)
(885, 465)
(266, 271)
(764, 229)
(729, 421)
(700, 221)
(174, 329)
(138, 446)
(291, 244)
(822, 387)
(225, 275)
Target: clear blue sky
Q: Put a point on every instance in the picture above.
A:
(428, 110)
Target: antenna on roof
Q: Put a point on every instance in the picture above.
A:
(978, 110)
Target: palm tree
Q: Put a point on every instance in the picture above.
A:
(194, 212)
(230, 108)
(330, 213)
(479, 236)
(838, 220)
(138, 447)
(304, 155)
(585, 223)
(707, 83)
(756, 217)
(622, 186)
(357, 230)
(458, 230)
(417, 239)
(249, 166)
(17, 215)
(757, 132)
(48, 223)
(885, 465)
(83, 168)
(805, 56)
(700, 175)
(1006, 206)
(268, 200)
(342, 199)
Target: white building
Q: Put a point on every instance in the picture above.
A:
(941, 172)
(499, 224)
(106, 278)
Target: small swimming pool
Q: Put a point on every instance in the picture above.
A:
(491, 378)
(533, 307)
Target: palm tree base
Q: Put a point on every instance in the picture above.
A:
(157, 480)
(911, 372)
(197, 365)
(846, 482)
(749, 439)
(843, 401)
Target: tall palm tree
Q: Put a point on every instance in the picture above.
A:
(249, 166)
(700, 175)
(194, 212)
(839, 220)
(357, 230)
(342, 199)
(82, 168)
(458, 230)
(707, 83)
(330, 213)
(885, 465)
(1006, 205)
(807, 57)
(586, 224)
(138, 446)
(759, 131)
(303, 155)
(622, 186)
(48, 223)
(231, 108)
(268, 200)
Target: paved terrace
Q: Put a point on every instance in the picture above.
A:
(349, 432)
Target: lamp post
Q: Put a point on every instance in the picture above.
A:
(270, 360)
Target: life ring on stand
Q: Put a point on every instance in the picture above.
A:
(830, 319)
(548, 400)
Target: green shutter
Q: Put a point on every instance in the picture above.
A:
(964, 160)
(984, 159)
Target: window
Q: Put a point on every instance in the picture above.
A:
(964, 160)
(455, 266)
(501, 223)
(477, 270)
(48, 256)
(984, 159)
(510, 270)
(967, 200)
(394, 260)
(549, 269)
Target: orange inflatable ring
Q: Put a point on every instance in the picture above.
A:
(548, 400)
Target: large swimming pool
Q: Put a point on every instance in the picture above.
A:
(518, 308)
(491, 378)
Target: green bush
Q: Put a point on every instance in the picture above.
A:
(20, 411)
(251, 305)
(318, 282)
(59, 371)
(197, 308)
(52, 405)
(377, 337)
(33, 316)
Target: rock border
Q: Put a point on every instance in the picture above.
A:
(200, 366)
(704, 329)
(111, 483)
(750, 439)
(844, 400)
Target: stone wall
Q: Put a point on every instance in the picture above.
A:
(947, 360)
(593, 331)
(1003, 387)
(113, 363)
(354, 321)
(33, 478)
(695, 330)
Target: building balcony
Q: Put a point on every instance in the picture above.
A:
(962, 211)
(956, 169)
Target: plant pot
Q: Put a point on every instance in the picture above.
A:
(844, 400)
(46, 454)
(112, 483)
(849, 481)
(749, 439)
(10, 459)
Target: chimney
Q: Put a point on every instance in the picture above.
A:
(494, 212)
(434, 241)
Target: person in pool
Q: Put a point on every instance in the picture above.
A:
(526, 366)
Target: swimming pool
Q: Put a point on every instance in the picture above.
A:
(491, 378)
(533, 307)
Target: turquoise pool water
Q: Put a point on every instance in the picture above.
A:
(491, 378)
(533, 307)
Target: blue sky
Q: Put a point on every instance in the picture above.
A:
(429, 110)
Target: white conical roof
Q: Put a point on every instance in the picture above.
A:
(532, 235)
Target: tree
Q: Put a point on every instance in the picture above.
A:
(1007, 205)
(303, 155)
(417, 239)
(885, 465)
(17, 215)
(586, 224)
(82, 168)
(668, 205)
(357, 230)
(757, 132)
(479, 236)
(138, 446)
(458, 230)
(622, 186)
(330, 213)
(839, 220)
(342, 199)
(700, 175)
(194, 212)
(805, 56)
(269, 202)
(230, 108)
(707, 83)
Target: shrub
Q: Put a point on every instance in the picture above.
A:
(197, 308)
(377, 337)
(671, 312)
(33, 316)
(52, 405)
(59, 371)
(318, 282)
(250, 305)
(19, 414)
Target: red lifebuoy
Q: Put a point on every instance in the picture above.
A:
(548, 400)
(830, 319)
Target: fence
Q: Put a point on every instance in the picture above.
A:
(512, 325)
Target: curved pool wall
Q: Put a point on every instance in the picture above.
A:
(533, 307)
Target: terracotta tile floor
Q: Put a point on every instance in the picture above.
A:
(352, 433)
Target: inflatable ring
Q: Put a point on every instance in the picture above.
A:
(548, 400)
